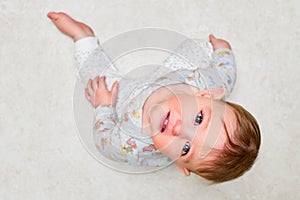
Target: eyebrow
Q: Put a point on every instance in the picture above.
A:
(226, 130)
(208, 121)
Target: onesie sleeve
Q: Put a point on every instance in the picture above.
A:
(191, 54)
(202, 67)
(221, 72)
(224, 63)
(107, 134)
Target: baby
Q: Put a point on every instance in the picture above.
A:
(177, 116)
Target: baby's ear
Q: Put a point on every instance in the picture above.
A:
(184, 170)
(214, 93)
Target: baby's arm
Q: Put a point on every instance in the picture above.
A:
(193, 54)
(223, 61)
(106, 132)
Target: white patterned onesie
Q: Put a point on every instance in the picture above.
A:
(118, 131)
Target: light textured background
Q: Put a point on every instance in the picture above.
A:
(42, 158)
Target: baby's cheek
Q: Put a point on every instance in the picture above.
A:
(169, 145)
(161, 141)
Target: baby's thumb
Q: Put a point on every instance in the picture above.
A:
(114, 92)
(212, 38)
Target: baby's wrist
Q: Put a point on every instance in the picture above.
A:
(221, 52)
(102, 107)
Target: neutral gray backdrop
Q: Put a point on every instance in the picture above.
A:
(41, 156)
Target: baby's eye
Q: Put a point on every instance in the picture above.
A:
(185, 149)
(198, 119)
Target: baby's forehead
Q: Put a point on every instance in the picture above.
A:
(222, 126)
(229, 125)
(230, 120)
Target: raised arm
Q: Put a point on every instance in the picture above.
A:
(106, 132)
(223, 61)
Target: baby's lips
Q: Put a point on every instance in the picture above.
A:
(164, 122)
(156, 115)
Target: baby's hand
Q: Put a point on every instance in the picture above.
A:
(218, 43)
(97, 93)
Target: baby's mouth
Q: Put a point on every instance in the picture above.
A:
(165, 122)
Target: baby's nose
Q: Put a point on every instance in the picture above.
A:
(176, 128)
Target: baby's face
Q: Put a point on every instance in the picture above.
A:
(186, 127)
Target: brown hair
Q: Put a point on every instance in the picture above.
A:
(237, 157)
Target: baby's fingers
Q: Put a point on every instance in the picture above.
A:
(212, 38)
(89, 88)
(87, 95)
(213, 41)
(102, 84)
(95, 82)
(218, 43)
(114, 92)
